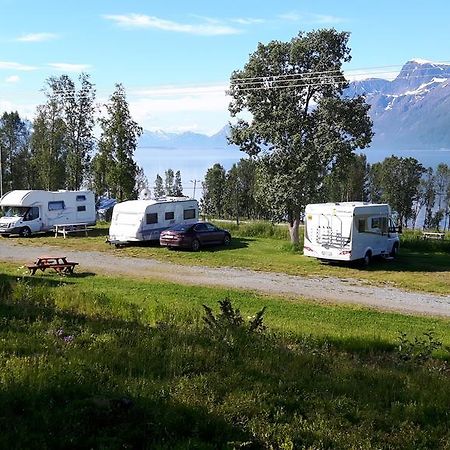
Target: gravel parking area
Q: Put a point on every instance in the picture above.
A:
(329, 289)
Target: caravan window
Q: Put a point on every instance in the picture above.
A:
(81, 208)
(169, 215)
(189, 214)
(81, 198)
(152, 218)
(56, 206)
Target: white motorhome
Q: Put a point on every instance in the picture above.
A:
(349, 231)
(143, 220)
(33, 211)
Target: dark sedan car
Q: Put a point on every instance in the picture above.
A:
(194, 236)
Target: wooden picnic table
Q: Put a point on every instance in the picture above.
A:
(58, 263)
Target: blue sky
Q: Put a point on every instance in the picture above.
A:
(175, 57)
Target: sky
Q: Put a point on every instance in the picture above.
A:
(175, 57)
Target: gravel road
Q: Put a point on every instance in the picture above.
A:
(329, 289)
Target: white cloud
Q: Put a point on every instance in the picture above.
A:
(9, 65)
(247, 21)
(66, 67)
(199, 108)
(37, 37)
(207, 28)
(310, 18)
(12, 79)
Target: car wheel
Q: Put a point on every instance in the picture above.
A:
(195, 245)
(25, 232)
(227, 240)
(394, 251)
(5, 235)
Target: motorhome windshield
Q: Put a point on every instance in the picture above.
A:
(16, 211)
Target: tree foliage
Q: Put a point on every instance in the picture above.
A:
(117, 145)
(76, 109)
(301, 125)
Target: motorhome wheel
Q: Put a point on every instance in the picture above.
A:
(367, 258)
(394, 251)
(25, 232)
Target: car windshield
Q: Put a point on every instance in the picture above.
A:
(16, 211)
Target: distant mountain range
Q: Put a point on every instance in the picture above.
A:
(410, 114)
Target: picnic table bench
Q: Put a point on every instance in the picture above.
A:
(432, 235)
(58, 263)
(67, 228)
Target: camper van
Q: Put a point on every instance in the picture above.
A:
(34, 211)
(350, 231)
(143, 220)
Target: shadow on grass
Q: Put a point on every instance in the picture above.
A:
(72, 380)
(406, 261)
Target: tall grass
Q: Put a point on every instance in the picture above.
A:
(80, 370)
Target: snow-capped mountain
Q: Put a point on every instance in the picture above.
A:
(411, 117)
(413, 110)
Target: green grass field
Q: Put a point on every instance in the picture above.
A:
(100, 362)
(421, 265)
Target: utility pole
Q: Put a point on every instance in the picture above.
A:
(195, 184)
(1, 173)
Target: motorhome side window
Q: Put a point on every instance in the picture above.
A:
(169, 215)
(152, 218)
(81, 208)
(55, 206)
(189, 214)
(81, 198)
(361, 225)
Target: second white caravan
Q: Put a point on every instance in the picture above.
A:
(349, 231)
(143, 220)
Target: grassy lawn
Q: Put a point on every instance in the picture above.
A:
(419, 267)
(102, 362)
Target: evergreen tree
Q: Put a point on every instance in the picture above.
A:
(158, 190)
(177, 185)
(117, 145)
(169, 182)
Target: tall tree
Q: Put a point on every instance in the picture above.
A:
(301, 124)
(117, 145)
(177, 185)
(400, 180)
(14, 153)
(214, 191)
(48, 149)
(168, 182)
(347, 182)
(77, 111)
(158, 190)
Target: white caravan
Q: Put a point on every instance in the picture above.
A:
(349, 231)
(143, 220)
(34, 211)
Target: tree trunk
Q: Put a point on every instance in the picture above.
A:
(294, 223)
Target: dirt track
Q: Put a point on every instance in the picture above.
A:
(328, 289)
